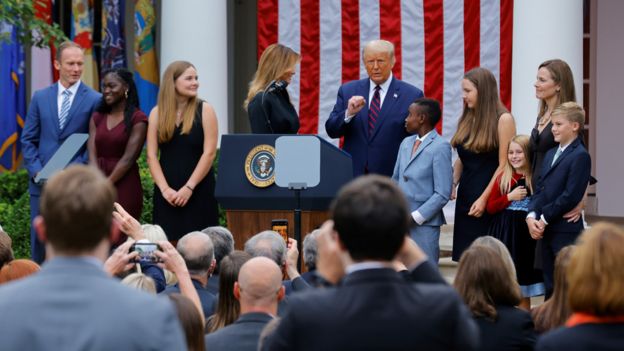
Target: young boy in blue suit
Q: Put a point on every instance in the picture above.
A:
(561, 185)
(424, 172)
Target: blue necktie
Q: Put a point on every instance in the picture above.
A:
(65, 105)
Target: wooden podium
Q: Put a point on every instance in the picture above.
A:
(251, 200)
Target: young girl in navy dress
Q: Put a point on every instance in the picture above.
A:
(509, 201)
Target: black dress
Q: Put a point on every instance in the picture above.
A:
(178, 159)
(477, 171)
(540, 144)
(274, 115)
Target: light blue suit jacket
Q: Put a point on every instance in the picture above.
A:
(42, 135)
(71, 304)
(427, 178)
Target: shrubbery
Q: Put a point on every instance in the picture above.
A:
(15, 208)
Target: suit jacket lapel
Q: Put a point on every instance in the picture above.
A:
(53, 106)
(568, 150)
(387, 106)
(76, 103)
(364, 90)
(423, 145)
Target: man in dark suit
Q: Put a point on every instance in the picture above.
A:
(72, 304)
(258, 289)
(561, 186)
(374, 308)
(223, 243)
(197, 251)
(370, 113)
(55, 113)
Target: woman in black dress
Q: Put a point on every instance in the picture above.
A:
(184, 129)
(268, 104)
(483, 134)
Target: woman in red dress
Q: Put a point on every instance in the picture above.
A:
(117, 133)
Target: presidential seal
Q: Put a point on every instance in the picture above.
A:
(260, 166)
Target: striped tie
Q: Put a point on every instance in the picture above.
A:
(65, 105)
(373, 111)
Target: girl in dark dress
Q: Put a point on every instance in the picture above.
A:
(268, 104)
(508, 203)
(481, 140)
(116, 135)
(184, 129)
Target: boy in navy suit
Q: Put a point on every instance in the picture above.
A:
(560, 187)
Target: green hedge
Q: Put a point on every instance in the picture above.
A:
(15, 208)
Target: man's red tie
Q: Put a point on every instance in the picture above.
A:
(373, 111)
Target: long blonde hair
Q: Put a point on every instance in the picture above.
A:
(477, 130)
(274, 62)
(508, 171)
(167, 103)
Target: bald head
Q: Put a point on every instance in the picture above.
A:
(198, 253)
(259, 283)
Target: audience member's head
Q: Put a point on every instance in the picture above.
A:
(191, 321)
(501, 249)
(76, 209)
(198, 253)
(140, 281)
(555, 311)
(228, 308)
(259, 287)
(370, 216)
(267, 244)
(222, 241)
(17, 269)
(595, 273)
(483, 281)
(310, 250)
(6, 251)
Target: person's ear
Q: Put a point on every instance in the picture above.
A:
(213, 265)
(40, 229)
(57, 65)
(281, 293)
(236, 291)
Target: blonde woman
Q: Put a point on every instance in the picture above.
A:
(268, 104)
(184, 129)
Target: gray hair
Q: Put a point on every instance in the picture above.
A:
(310, 249)
(268, 244)
(198, 257)
(222, 241)
(379, 46)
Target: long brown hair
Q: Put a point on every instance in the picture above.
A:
(508, 171)
(167, 103)
(274, 62)
(561, 74)
(477, 130)
(483, 281)
(555, 311)
(228, 307)
(191, 322)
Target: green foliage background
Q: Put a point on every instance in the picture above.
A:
(15, 207)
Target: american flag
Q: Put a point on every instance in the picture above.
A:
(436, 42)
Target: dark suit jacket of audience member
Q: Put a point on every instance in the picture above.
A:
(376, 309)
(208, 300)
(153, 271)
(513, 330)
(592, 337)
(72, 304)
(213, 284)
(242, 335)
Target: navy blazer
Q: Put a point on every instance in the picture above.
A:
(376, 309)
(207, 299)
(42, 135)
(609, 336)
(561, 187)
(242, 335)
(379, 151)
(512, 330)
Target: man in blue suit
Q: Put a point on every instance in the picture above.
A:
(561, 185)
(370, 113)
(424, 172)
(55, 113)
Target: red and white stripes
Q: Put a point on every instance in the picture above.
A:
(436, 42)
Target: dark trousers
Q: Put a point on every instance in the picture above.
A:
(552, 243)
(37, 247)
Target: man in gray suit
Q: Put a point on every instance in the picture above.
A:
(258, 289)
(424, 172)
(72, 304)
